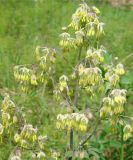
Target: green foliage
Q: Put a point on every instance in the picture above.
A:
(26, 24)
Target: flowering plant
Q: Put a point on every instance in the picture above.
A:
(91, 94)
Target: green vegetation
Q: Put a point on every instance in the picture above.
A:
(25, 24)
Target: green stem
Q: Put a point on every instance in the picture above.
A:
(75, 101)
(89, 135)
(71, 143)
(122, 145)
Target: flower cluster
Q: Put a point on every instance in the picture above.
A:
(128, 131)
(113, 74)
(22, 73)
(113, 105)
(76, 121)
(8, 114)
(63, 83)
(90, 78)
(25, 77)
(66, 41)
(45, 57)
(27, 135)
(33, 75)
(87, 17)
(95, 56)
(79, 37)
(86, 24)
(41, 141)
(62, 87)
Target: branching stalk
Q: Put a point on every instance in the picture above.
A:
(122, 145)
(75, 101)
(89, 135)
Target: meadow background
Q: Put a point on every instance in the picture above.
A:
(24, 24)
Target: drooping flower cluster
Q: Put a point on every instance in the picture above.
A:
(113, 105)
(33, 75)
(77, 121)
(95, 56)
(45, 57)
(87, 17)
(41, 141)
(66, 41)
(128, 131)
(79, 37)
(25, 77)
(8, 114)
(113, 74)
(90, 78)
(27, 136)
(86, 24)
(89, 72)
(63, 83)
(62, 87)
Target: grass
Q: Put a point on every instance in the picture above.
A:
(24, 24)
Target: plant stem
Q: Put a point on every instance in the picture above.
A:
(77, 80)
(122, 145)
(89, 135)
(75, 101)
(71, 139)
(71, 143)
